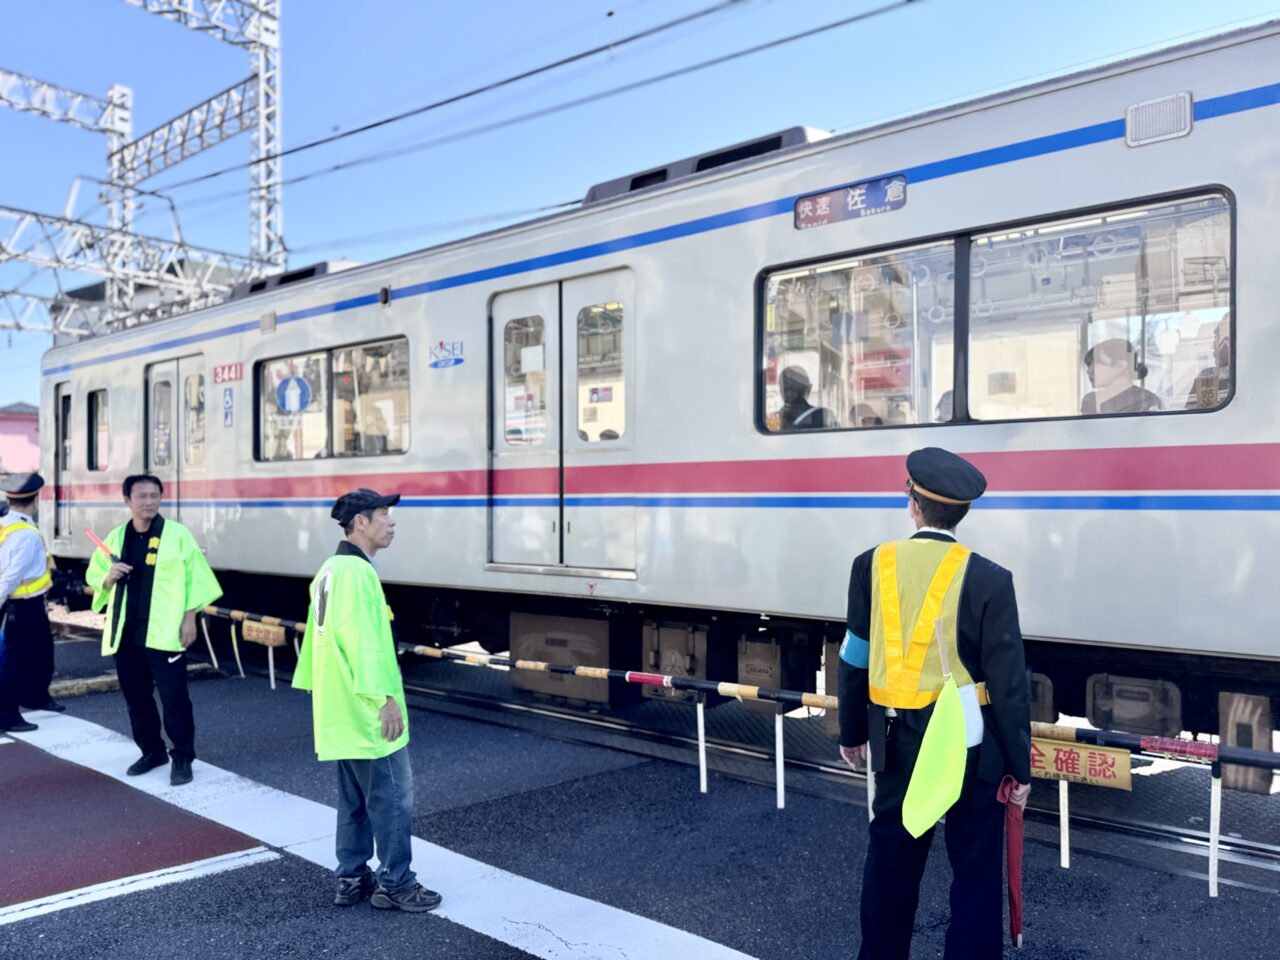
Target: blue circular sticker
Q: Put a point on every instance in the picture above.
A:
(293, 395)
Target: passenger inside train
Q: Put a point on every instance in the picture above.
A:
(1114, 371)
(797, 412)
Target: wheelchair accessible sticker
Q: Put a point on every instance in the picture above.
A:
(446, 354)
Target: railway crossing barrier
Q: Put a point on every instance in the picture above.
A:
(1104, 761)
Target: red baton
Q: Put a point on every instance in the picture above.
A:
(102, 546)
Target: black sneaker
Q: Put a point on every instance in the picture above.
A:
(414, 899)
(18, 726)
(351, 890)
(181, 772)
(148, 761)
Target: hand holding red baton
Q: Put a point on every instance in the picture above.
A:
(105, 549)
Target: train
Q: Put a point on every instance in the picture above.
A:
(655, 429)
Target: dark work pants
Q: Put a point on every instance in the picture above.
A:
(143, 671)
(974, 834)
(26, 665)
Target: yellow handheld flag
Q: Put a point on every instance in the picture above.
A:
(939, 771)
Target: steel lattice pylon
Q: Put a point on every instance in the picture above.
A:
(145, 278)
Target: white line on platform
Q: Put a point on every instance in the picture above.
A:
(142, 881)
(528, 915)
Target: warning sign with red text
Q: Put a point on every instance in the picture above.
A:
(1080, 763)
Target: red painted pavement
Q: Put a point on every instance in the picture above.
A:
(63, 827)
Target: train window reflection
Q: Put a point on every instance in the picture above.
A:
(862, 342)
(371, 399)
(524, 362)
(98, 432)
(193, 420)
(1128, 312)
(602, 407)
(161, 423)
(294, 399)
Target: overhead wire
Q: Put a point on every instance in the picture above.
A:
(470, 132)
(465, 95)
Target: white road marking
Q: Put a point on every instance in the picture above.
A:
(528, 915)
(142, 881)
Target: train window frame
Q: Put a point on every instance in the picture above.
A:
(155, 423)
(328, 352)
(97, 451)
(193, 446)
(959, 330)
(963, 240)
(334, 399)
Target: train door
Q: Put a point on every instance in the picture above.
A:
(162, 430)
(597, 323)
(62, 461)
(525, 519)
(560, 484)
(176, 426)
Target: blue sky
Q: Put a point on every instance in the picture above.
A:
(346, 63)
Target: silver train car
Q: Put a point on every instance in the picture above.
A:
(656, 429)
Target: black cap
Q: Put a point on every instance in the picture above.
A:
(21, 486)
(358, 501)
(942, 476)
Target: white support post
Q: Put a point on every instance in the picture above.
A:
(780, 760)
(1064, 825)
(871, 791)
(702, 744)
(235, 648)
(1215, 825)
(204, 625)
(271, 665)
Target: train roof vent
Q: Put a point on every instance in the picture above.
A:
(1154, 120)
(791, 137)
(262, 284)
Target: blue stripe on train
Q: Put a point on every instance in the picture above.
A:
(1174, 502)
(1225, 105)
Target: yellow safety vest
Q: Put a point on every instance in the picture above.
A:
(37, 585)
(922, 579)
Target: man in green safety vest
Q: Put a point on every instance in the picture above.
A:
(348, 662)
(891, 674)
(152, 584)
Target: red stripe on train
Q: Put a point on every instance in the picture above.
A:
(1195, 468)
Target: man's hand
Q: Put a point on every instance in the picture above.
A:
(117, 573)
(855, 757)
(187, 636)
(1019, 794)
(392, 720)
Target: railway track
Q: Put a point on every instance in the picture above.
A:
(829, 779)
(1090, 834)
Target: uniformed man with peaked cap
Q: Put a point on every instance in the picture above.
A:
(890, 675)
(26, 653)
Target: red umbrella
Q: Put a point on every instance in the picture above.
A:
(1013, 855)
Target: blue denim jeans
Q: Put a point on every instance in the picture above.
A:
(375, 803)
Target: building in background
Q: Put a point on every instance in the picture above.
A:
(19, 437)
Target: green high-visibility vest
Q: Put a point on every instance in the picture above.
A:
(182, 582)
(348, 662)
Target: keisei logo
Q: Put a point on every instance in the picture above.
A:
(446, 354)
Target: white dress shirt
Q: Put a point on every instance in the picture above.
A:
(22, 555)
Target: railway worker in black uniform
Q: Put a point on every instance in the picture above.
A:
(26, 654)
(889, 678)
(348, 662)
(151, 595)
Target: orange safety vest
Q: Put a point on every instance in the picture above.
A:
(924, 578)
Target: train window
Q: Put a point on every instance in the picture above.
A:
(524, 363)
(371, 399)
(294, 407)
(860, 342)
(1118, 313)
(161, 423)
(98, 432)
(193, 420)
(602, 408)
